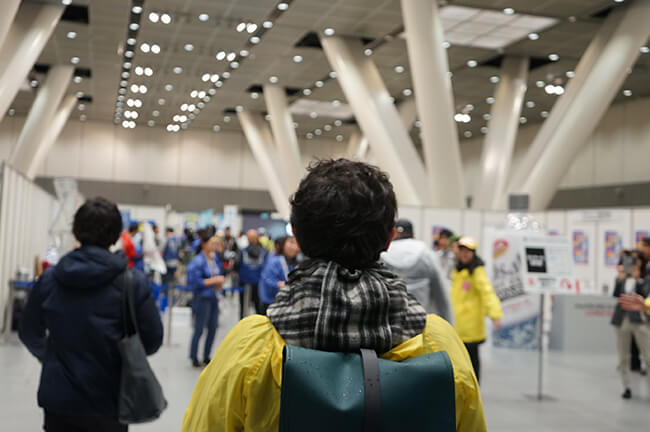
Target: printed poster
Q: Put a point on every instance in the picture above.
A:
(437, 229)
(613, 247)
(580, 247)
(640, 235)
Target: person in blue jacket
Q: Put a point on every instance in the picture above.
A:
(72, 324)
(250, 271)
(204, 278)
(276, 270)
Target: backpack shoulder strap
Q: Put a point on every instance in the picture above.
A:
(371, 389)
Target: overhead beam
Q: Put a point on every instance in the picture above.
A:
(9, 10)
(435, 101)
(378, 119)
(502, 132)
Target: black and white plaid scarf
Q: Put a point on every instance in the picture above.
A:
(328, 307)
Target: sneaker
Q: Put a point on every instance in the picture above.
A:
(206, 362)
(196, 363)
(627, 394)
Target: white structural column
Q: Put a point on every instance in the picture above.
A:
(502, 131)
(39, 120)
(435, 100)
(408, 112)
(563, 104)
(378, 119)
(9, 9)
(53, 130)
(284, 134)
(590, 103)
(357, 146)
(28, 35)
(257, 134)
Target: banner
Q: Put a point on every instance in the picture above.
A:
(639, 236)
(580, 247)
(613, 247)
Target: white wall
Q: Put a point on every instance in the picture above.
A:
(102, 151)
(617, 152)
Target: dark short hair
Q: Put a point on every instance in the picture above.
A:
(645, 241)
(97, 223)
(445, 233)
(169, 229)
(344, 211)
(134, 227)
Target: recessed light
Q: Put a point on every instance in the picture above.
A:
(273, 79)
(75, 60)
(145, 48)
(487, 116)
(339, 138)
(155, 113)
(177, 70)
(523, 120)
(162, 101)
(204, 17)
(313, 115)
(627, 92)
(446, 44)
(165, 18)
(570, 74)
(216, 128)
(77, 80)
(533, 36)
(338, 123)
(484, 130)
(329, 31)
(297, 59)
(188, 47)
(399, 69)
(306, 92)
(218, 84)
(136, 9)
(319, 84)
(241, 27)
(553, 57)
(530, 104)
(131, 41)
(267, 24)
(494, 79)
(255, 40)
(467, 134)
(619, 1)
(332, 75)
(544, 114)
(250, 28)
(472, 63)
(125, 75)
(221, 55)
(244, 53)
(367, 52)
(283, 6)
(212, 91)
(407, 92)
(134, 26)
(227, 119)
(66, 2)
(489, 100)
(155, 48)
(336, 103)
(540, 84)
(139, 70)
(255, 95)
(232, 56)
(309, 135)
(645, 50)
(83, 117)
(128, 54)
(169, 87)
(318, 132)
(509, 11)
(205, 77)
(71, 35)
(327, 128)
(214, 78)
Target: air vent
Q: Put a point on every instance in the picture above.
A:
(230, 111)
(83, 72)
(41, 68)
(311, 40)
(85, 98)
(258, 88)
(602, 13)
(76, 14)
(535, 62)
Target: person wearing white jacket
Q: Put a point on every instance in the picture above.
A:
(419, 267)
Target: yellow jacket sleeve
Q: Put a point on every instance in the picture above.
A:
(490, 301)
(647, 303)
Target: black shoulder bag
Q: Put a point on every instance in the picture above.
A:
(141, 398)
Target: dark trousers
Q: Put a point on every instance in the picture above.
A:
(635, 364)
(472, 349)
(57, 423)
(206, 316)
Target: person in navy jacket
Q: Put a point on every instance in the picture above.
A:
(250, 270)
(276, 270)
(204, 277)
(72, 324)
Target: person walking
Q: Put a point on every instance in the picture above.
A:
(250, 272)
(72, 324)
(472, 298)
(276, 270)
(204, 277)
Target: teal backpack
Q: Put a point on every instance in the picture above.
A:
(341, 392)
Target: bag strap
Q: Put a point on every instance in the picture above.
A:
(372, 389)
(129, 323)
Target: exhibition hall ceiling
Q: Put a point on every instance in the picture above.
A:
(180, 47)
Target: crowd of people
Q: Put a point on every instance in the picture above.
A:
(350, 278)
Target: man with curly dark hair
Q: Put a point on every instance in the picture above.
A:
(340, 299)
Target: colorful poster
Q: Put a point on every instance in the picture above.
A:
(205, 218)
(191, 220)
(580, 247)
(126, 218)
(437, 229)
(640, 235)
(613, 247)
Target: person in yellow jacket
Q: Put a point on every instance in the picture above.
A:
(340, 300)
(472, 298)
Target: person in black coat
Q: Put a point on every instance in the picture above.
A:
(628, 323)
(72, 324)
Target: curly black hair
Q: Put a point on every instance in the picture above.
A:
(344, 211)
(97, 223)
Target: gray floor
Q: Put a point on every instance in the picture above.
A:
(586, 389)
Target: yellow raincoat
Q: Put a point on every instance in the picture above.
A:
(472, 298)
(240, 389)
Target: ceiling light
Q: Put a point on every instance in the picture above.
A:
(327, 127)
(549, 89)
(154, 17)
(184, 107)
(627, 92)
(205, 77)
(313, 115)
(490, 100)
(125, 124)
(191, 107)
(255, 40)
(136, 9)
(138, 103)
(151, 123)
(128, 54)
(244, 53)
(318, 132)
(75, 60)
(155, 113)
(139, 70)
(544, 114)
(267, 24)
(122, 91)
(241, 27)
(297, 59)
(71, 35)
(332, 75)
(283, 6)
(484, 130)
(130, 41)
(204, 17)
(83, 117)
(134, 26)
(273, 79)
(214, 78)
(148, 71)
(66, 2)
(124, 83)
(155, 48)
(645, 50)
(239, 108)
(212, 91)
(143, 89)
(309, 135)
(399, 69)
(194, 93)
(336, 102)
(135, 88)
(553, 57)
(533, 36)
(329, 31)
(467, 134)
(306, 92)
(169, 87)
(319, 84)
(201, 95)
(250, 27)
(540, 84)
(162, 101)
(619, 1)
(177, 70)
(367, 52)
(446, 44)
(530, 104)
(81, 107)
(255, 95)
(130, 102)
(77, 80)
(472, 63)
(188, 47)
(221, 55)
(469, 108)
(144, 47)
(462, 118)
(508, 11)
(227, 119)
(165, 18)
(570, 74)
(206, 99)
(231, 56)
(494, 79)
(338, 123)
(407, 92)
(523, 120)
(218, 84)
